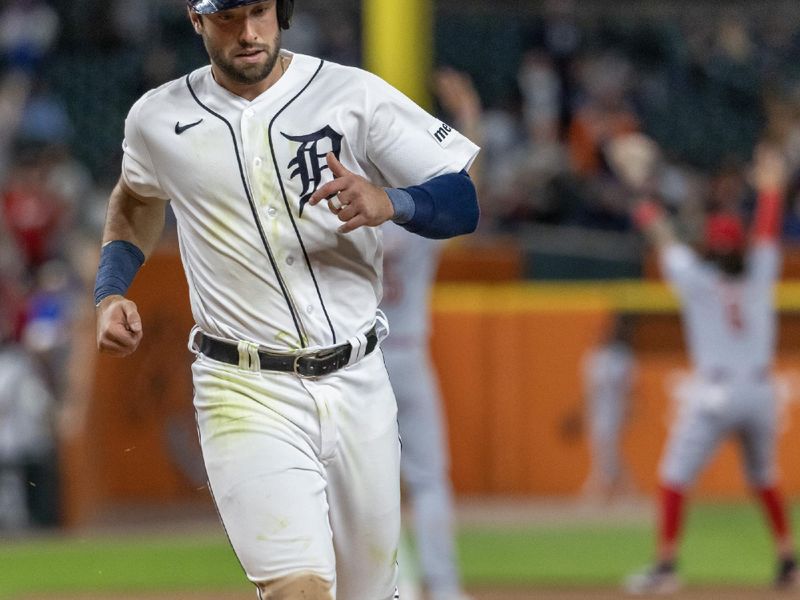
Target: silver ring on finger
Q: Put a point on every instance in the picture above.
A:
(336, 203)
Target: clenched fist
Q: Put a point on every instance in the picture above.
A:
(119, 326)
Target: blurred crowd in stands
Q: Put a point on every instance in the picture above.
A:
(706, 89)
(542, 89)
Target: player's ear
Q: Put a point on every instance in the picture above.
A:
(197, 21)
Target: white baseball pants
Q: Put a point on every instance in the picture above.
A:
(305, 472)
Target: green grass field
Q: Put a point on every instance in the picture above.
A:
(724, 543)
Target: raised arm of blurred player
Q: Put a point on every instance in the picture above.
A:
(770, 177)
(651, 218)
(634, 159)
(136, 223)
(457, 95)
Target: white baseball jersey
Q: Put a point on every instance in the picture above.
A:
(729, 326)
(729, 323)
(261, 264)
(409, 269)
(304, 472)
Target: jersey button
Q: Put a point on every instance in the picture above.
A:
(290, 261)
(271, 211)
(257, 162)
(249, 113)
(309, 309)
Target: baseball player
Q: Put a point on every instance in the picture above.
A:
(726, 296)
(296, 416)
(608, 375)
(409, 270)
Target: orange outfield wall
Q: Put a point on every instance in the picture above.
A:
(508, 357)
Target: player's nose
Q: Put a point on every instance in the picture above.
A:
(249, 32)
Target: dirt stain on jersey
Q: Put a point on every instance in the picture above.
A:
(381, 556)
(290, 340)
(227, 410)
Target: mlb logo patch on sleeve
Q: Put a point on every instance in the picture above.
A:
(442, 133)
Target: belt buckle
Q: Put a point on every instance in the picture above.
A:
(296, 364)
(317, 359)
(308, 356)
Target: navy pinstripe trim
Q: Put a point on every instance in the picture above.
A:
(286, 200)
(287, 297)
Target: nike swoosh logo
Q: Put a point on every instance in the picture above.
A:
(179, 129)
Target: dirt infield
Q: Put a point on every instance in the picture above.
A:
(481, 594)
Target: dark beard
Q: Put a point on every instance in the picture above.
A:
(730, 263)
(249, 75)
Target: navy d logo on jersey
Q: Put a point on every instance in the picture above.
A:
(309, 161)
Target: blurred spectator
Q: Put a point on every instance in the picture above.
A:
(67, 178)
(26, 432)
(542, 92)
(14, 88)
(11, 266)
(577, 79)
(33, 214)
(49, 318)
(604, 110)
(525, 169)
(12, 305)
(559, 35)
(44, 118)
(28, 29)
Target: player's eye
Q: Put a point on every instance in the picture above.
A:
(262, 8)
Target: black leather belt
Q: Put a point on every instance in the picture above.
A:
(306, 364)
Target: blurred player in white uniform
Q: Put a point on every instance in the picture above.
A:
(279, 167)
(729, 321)
(608, 376)
(409, 270)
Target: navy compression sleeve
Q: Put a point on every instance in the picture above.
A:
(119, 262)
(443, 207)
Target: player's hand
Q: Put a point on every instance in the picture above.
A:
(353, 199)
(770, 171)
(119, 326)
(634, 158)
(457, 95)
